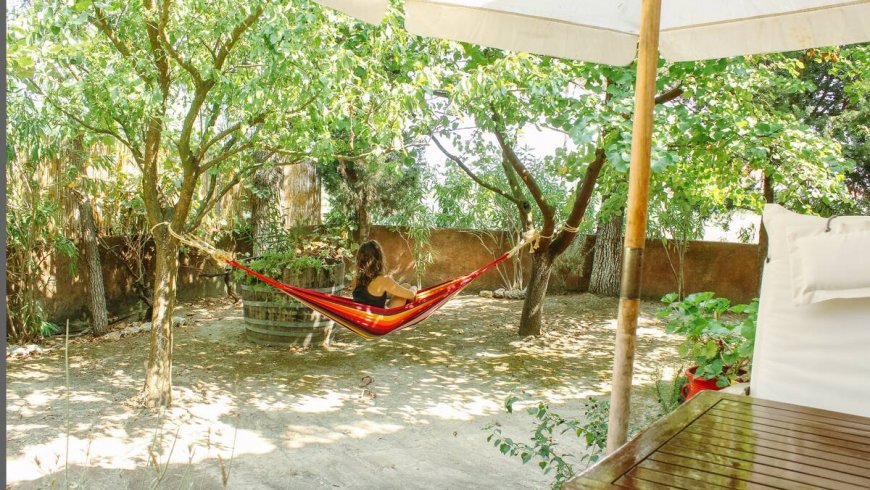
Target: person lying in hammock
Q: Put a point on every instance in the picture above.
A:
(372, 287)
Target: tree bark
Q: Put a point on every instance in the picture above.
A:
(363, 219)
(158, 374)
(301, 191)
(96, 287)
(97, 296)
(607, 258)
(536, 291)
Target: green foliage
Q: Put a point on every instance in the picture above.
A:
(679, 219)
(829, 90)
(719, 338)
(669, 392)
(215, 103)
(544, 446)
(47, 329)
(368, 147)
(35, 216)
(301, 249)
(460, 203)
(273, 264)
(731, 130)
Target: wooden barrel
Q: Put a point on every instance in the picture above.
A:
(273, 318)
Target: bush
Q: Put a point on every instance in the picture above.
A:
(316, 249)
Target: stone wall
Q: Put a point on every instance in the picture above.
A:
(64, 292)
(729, 269)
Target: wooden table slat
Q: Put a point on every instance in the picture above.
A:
(764, 409)
(777, 441)
(845, 464)
(786, 407)
(784, 420)
(730, 469)
(782, 440)
(585, 483)
(808, 433)
(701, 475)
(642, 478)
(808, 471)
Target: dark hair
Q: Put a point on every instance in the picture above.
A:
(369, 262)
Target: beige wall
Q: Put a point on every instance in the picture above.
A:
(65, 294)
(729, 269)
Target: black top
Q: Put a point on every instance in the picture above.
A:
(361, 295)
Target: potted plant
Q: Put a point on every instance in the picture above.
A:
(719, 339)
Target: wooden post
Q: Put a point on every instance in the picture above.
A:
(635, 229)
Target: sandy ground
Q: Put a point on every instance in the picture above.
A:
(259, 417)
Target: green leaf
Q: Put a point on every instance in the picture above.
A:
(82, 5)
(509, 403)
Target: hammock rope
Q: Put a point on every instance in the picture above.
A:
(366, 321)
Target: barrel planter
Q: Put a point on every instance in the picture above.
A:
(273, 318)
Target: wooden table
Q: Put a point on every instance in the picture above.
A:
(720, 440)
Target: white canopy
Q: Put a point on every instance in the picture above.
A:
(606, 31)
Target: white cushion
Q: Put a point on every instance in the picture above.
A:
(829, 265)
(816, 354)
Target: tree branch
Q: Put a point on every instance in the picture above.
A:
(474, 177)
(157, 52)
(224, 51)
(524, 208)
(188, 67)
(581, 202)
(521, 169)
(223, 157)
(670, 95)
(258, 119)
(99, 20)
(210, 200)
(79, 120)
(201, 209)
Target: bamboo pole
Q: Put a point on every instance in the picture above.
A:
(635, 229)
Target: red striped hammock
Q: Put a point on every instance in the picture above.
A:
(370, 321)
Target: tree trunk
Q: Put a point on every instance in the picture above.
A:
(762, 233)
(158, 372)
(607, 258)
(266, 208)
(97, 296)
(301, 195)
(536, 291)
(88, 230)
(363, 219)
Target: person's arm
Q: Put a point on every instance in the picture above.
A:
(395, 289)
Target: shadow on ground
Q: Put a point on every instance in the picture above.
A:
(264, 417)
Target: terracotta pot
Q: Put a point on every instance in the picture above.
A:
(696, 385)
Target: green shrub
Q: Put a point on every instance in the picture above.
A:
(313, 249)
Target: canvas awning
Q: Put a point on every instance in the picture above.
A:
(607, 32)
